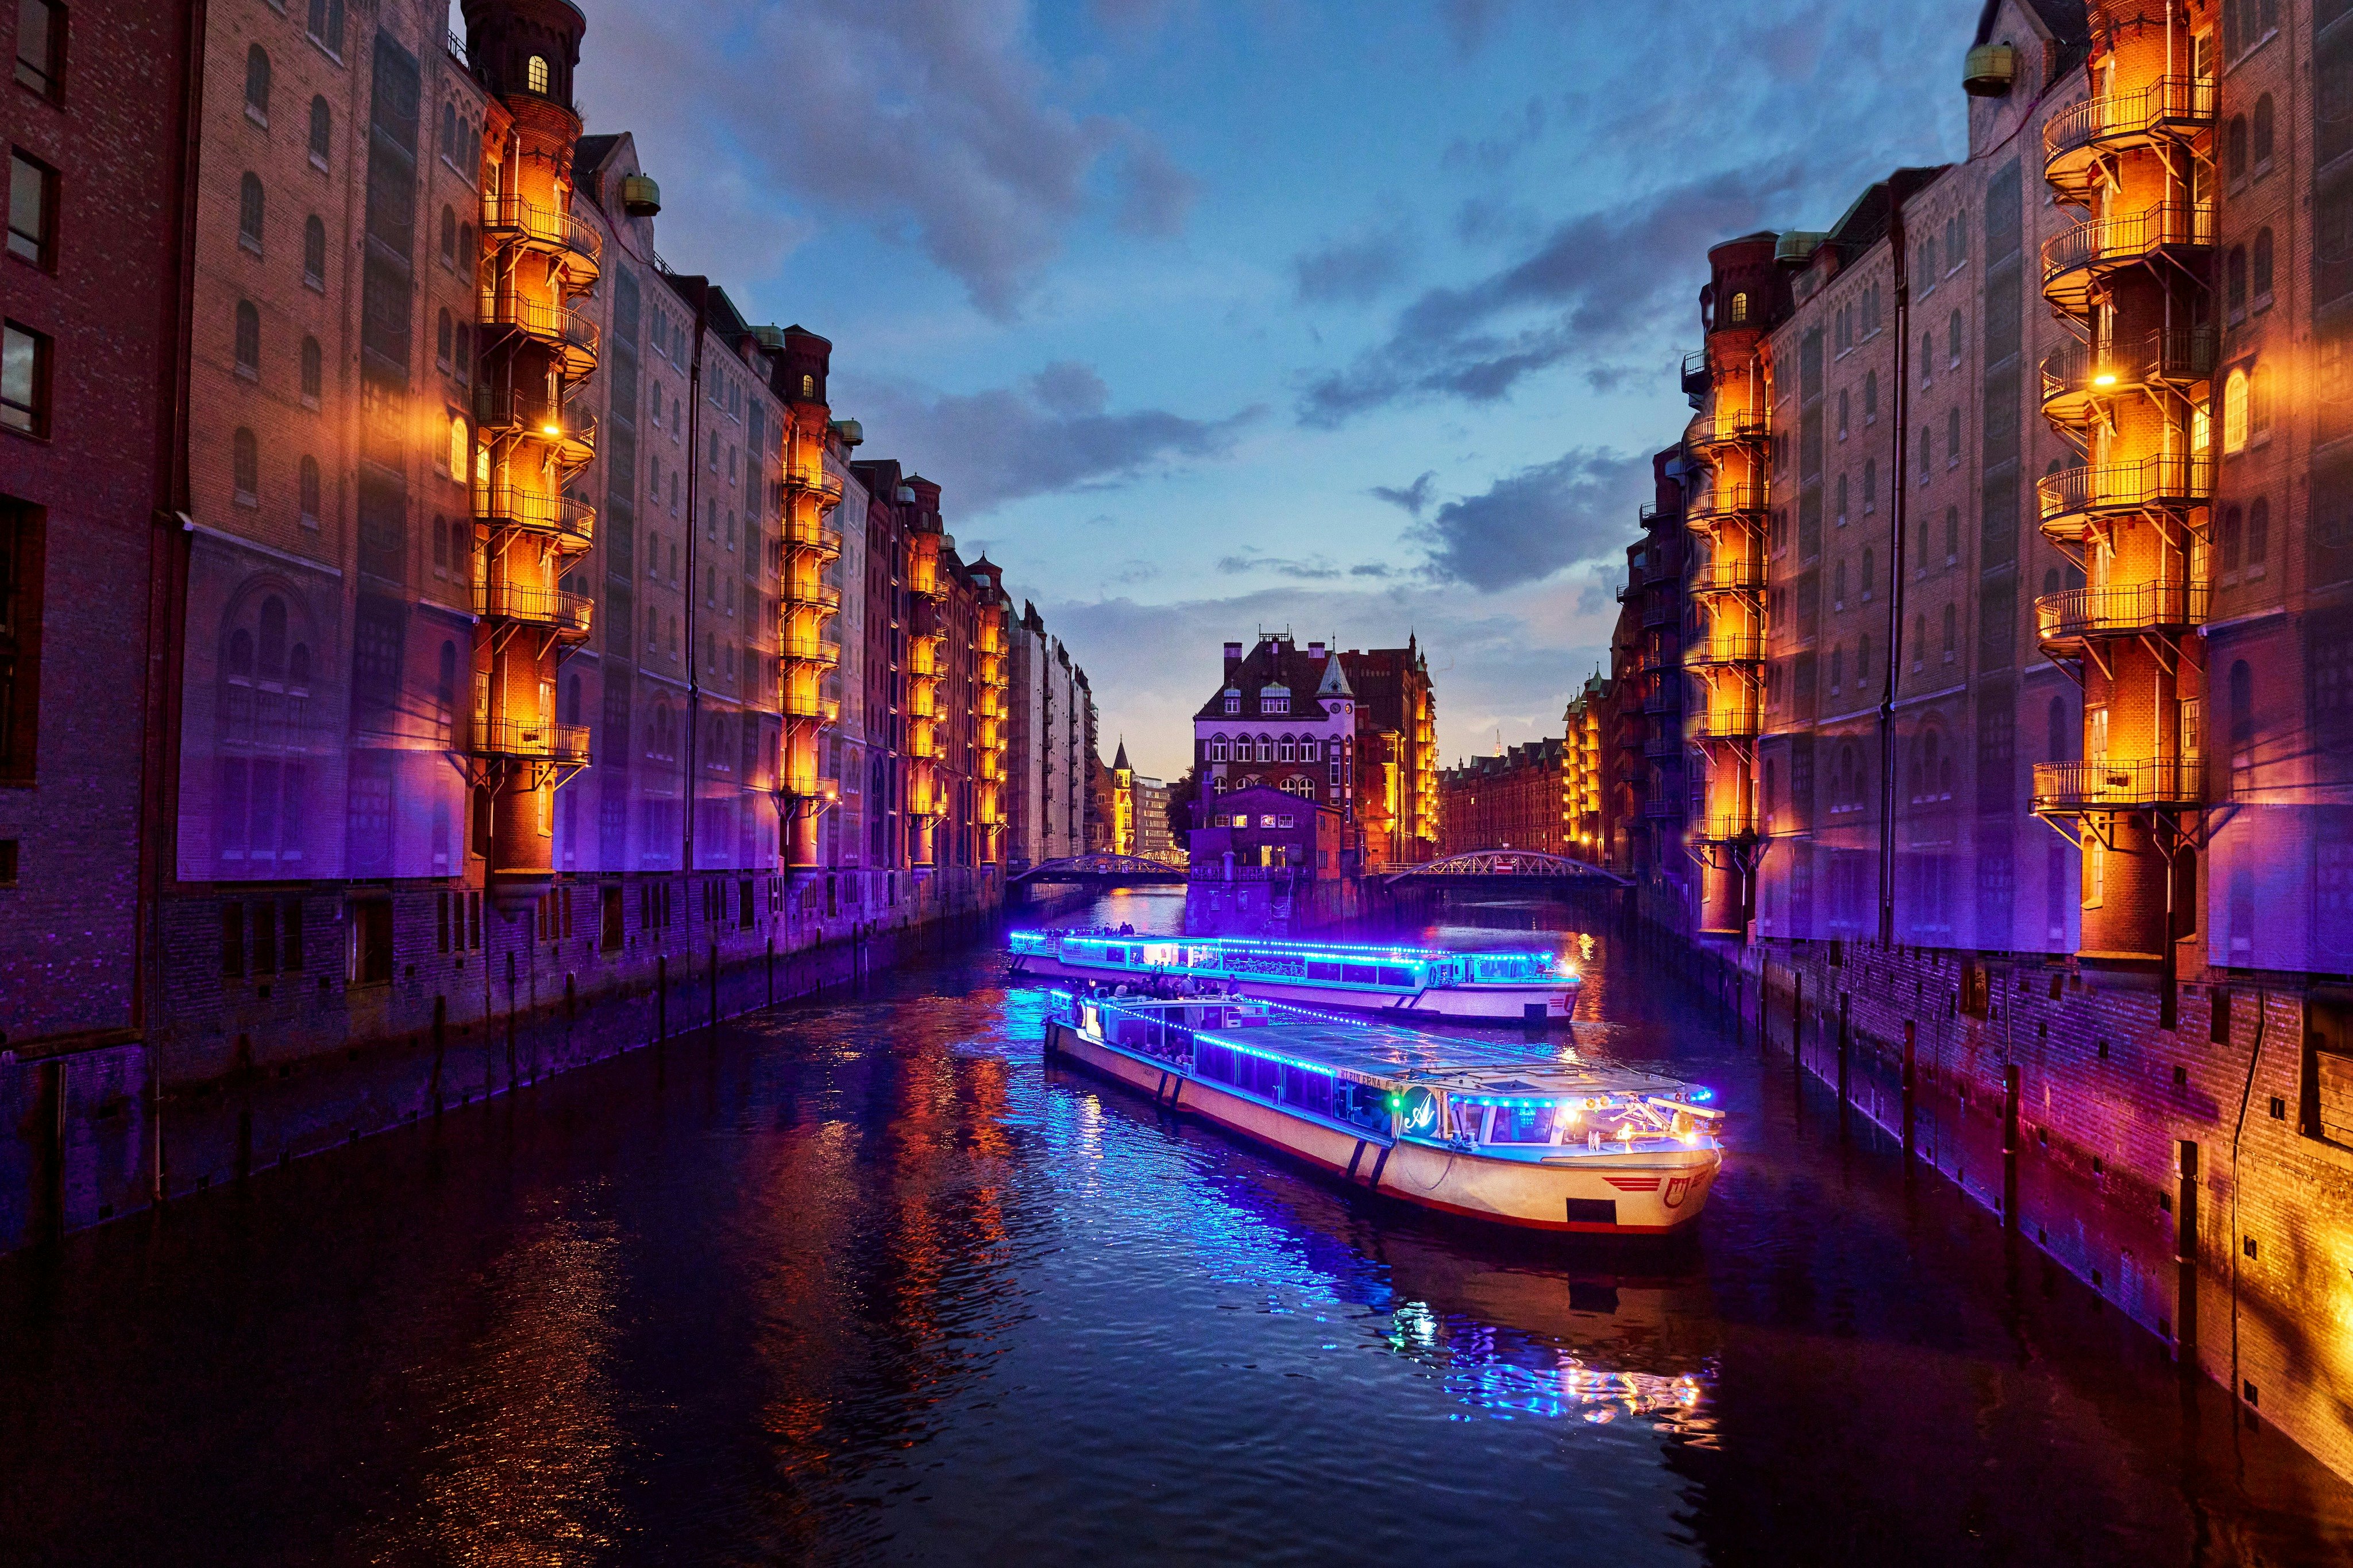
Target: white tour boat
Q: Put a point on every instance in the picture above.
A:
(1516, 1135)
(1510, 986)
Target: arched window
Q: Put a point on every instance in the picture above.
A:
(1952, 535)
(1953, 337)
(309, 491)
(323, 130)
(1928, 359)
(249, 212)
(2262, 270)
(2264, 134)
(1740, 310)
(1837, 587)
(1953, 437)
(2234, 281)
(535, 74)
(2234, 410)
(315, 253)
(327, 24)
(2233, 537)
(2234, 145)
(808, 386)
(314, 371)
(450, 128)
(1870, 486)
(257, 85)
(1869, 574)
(244, 467)
(1286, 751)
(441, 336)
(459, 447)
(248, 340)
(1841, 424)
(1927, 445)
(1871, 398)
(1218, 750)
(445, 694)
(273, 637)
(449, 236)
(1308, 750)
(2258, 533)
(466, 259)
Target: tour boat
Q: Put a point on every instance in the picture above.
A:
(1519, 1136)
(1421, 983)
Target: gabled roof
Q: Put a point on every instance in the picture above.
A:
(1279, 662)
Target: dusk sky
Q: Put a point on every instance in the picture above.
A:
(1353, 318)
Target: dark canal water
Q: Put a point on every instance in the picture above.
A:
(862, 1281)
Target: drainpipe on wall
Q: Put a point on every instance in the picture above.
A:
(1900, 414)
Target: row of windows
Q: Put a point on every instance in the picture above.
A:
(256, 98)
(1267, 749)
(245, 476)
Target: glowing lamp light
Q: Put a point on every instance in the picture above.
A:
(2106, 378)
(1702, 1095)
(551, 429)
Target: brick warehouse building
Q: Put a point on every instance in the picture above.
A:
(1396, 753)
(526, 660)
(90, 480)
(1518, 799)
(1283, 717)
(2014, 640)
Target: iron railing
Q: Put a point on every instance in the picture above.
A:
(2170, 101)
(1733, 723)
(1723, 500)
(542, 226)
(2106, 241)
(573, 521)
(534, 413)
(566, 612)
(1728, 576)
(564, 326)
(2117, 784)
(525, 738)
(1725, 648)
(2078, 613)
(2163, 479)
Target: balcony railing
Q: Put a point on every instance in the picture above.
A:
(2077, 375)
(812, 650)
(2072, 258)
(1728, 576)
(565, 611)
(571, 430)
(2119, 784)
(542, 226)
(1722, 502)
(804, 596)
(1718, 830)
(1696, 378)
(1724, 427)
(1656, 611)
(1669, 744)
(1724, 648)
(2073, 495)
(2073, 616)
(522, 738)
(810, 705)
(1731, 723)
(825, 485)
(811, 532)
(574, 522)
(2168, 106)
(571, 331)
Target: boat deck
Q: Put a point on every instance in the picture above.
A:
(1372, 1051)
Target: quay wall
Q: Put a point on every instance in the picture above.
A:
(2166, 1165)
(245, 1072)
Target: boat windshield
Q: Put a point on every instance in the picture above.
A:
(1521, 1124)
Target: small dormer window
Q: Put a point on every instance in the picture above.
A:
(535, 74)
(1274, 699)
(1233, 701)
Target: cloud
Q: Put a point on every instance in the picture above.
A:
(1491, 155)
(1530, 524)
(1593, 284)
(935, 125)
(1353, 269)
(1052, 433)
(1468, 21)
(1413, 499)
(1316, 569)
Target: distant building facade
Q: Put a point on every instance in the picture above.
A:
(1283, 717)
(1396, 752)
(1521, 799)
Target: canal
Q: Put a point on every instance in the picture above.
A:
(860, 1280)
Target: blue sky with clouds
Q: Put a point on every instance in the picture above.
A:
(1352, 316)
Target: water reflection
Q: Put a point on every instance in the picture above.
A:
(866, 1281)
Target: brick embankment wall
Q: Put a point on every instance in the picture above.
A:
(2163, 1166)
(249, 1076)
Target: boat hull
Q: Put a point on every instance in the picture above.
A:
(1644, 1194)
(1450, 1003)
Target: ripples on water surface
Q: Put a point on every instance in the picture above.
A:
(864, 1280)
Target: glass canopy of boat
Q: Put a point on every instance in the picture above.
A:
(1332, 965)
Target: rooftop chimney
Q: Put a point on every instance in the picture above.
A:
(1316, 651)
(1233, 660)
